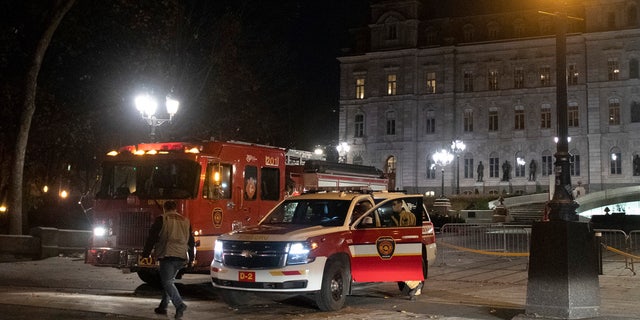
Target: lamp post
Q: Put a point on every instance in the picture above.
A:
(343, 148)
(457, 146)
(442, 158)
(552, 287)
(147, 105)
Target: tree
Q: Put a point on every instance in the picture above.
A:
(51, 22)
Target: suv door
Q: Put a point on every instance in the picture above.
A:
(382, 250)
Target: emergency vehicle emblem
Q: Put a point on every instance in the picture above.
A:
(385, 246)
(216, 216)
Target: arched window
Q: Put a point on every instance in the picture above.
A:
(391, 28)
(520, 164)
(431, 167)
(615, 159)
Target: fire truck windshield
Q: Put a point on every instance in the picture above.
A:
(310, 212)
(170, 179)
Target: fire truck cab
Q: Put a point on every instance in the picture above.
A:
(218, 185)
(321, 243)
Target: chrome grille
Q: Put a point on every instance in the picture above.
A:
(254, 255)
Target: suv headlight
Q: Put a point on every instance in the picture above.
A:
(298, 253)
(217, 251)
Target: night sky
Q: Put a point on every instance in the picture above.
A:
(257, 71)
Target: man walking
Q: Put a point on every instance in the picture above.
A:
(172, 238)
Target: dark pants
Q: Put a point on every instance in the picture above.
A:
(169, 268)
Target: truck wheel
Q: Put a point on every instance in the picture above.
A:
(150, 276)
(335, 286)
(235, 298)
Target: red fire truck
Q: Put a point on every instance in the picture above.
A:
(219, 186)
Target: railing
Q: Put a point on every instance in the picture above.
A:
(505, 240)
(618, 246)
(493, 239)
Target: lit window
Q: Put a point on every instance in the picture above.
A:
(431, 168)
(572, 77)
(614, 111)
(360, 88)
(493, 79)
(392, 83)
(613, 69)
(431, 82)
(615, 158)
(545, 76)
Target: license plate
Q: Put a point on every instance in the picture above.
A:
(146, 262)
(247, 276)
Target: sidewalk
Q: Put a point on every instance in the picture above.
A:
(502, 283)
(467, 287)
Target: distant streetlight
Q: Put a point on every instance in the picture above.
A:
(457, 146)
(343, 149)
(442, 158)
(147, 105)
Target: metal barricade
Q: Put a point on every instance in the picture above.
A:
(617, 246)
(492, 239)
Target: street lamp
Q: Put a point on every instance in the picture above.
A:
(457, 146)
(442, 158)
(343, 148)
(147, 105)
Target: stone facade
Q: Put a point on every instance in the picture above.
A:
(415, 81)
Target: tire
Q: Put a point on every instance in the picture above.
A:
(235, 298)
(335, 286)
(150, 276)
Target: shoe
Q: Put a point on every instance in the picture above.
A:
(180, 311)
(160, 310)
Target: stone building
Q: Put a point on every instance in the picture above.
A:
(420, 76)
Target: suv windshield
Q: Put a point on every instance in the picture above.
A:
(171, 179)
(320, 212)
